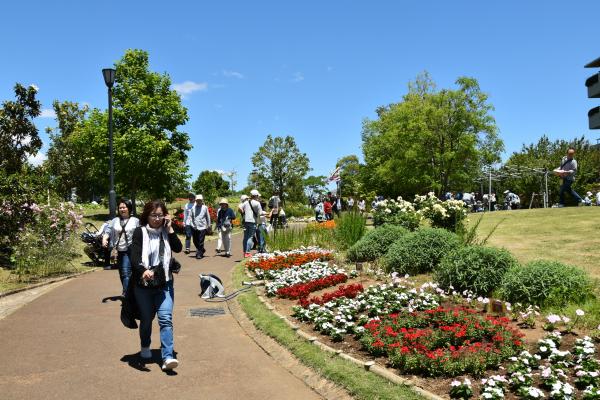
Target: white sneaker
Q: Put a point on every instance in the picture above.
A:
(145, 352)
(169, 364)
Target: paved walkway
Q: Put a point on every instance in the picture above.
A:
(67, 344)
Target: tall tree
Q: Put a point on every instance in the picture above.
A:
(349, 175)
(432, 140)
(315, 185)
(150, 150)
(211, 185)
(19, 137)
(279, 168)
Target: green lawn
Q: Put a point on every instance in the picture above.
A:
(570, 235)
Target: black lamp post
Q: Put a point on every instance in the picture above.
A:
(109, 79)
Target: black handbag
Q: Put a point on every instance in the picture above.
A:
(158, 279)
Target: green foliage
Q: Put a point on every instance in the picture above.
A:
(548, 154)
(279, 168)
(349, 228)
(349, 175)
(400, 212)
(420, 251)
(546, 283)
(211, 185)
(445, 135)
(468, 235)
(19, 137)
(315, 185)
(296, 209)
(475, 268)
(448, 214)
(295, 237)
(375, 243)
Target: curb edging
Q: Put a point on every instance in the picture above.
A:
(51, 281)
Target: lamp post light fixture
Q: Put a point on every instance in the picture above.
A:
(109, 80)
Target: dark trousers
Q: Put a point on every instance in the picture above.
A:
(198, 237)
(566, 187)
(274, 220)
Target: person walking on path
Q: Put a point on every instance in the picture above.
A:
(350, 204)
(567, 171)
(153, 243)
(187, 221)
(224, 225)
(252, 210)
(119, 234)
(200, 225)
(362, 206)
(275, 206)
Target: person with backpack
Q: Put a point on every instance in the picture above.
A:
(251, 211)
(200, 225)
(225, 216)
(119, 235)
(153, 244)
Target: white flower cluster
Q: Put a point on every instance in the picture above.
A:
(300, 274)
(271, 274)
(493, 388)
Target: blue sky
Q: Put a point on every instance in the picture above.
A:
(310, 69)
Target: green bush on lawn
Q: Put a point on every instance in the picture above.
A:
(376, 243)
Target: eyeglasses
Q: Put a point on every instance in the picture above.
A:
(157, 216)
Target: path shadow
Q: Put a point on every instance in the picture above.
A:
(113, 298)
(136, 362)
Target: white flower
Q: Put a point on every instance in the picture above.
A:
(553, 318)
(566, 320)
(579, 312)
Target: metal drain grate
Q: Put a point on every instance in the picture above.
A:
(206, 312)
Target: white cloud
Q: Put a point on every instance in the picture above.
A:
(298, 77)
(47, 113)
(233, 74)
(38, 159)
(189, 87)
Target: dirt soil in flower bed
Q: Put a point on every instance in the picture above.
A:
(437, 385)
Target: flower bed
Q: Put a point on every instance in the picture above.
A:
(300, 274)
(349, 291)
(442, 342)
(302, 290)
(261, 263)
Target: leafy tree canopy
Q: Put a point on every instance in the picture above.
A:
(211, 186)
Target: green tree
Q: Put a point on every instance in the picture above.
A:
(433, 140)
(279, 168)
(19, 137)
(211, 185)
(315, 185)
(349, 175)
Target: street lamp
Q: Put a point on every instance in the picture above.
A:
(109, 79)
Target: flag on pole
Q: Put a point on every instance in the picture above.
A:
(335, 175)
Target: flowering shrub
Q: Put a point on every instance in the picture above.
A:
(262, 263)
(442, 341)
(448, 214)
(302, 290)
(178, 221)
(461, 390)
(350, 292)
(397, 212)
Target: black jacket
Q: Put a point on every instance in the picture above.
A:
(136, 252)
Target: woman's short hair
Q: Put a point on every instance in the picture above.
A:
(151, 206)
(127, 204)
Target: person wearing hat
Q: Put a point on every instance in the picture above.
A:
(224, 217)
(251, 212)
(200, 224)
(588, 199)
(187, 221)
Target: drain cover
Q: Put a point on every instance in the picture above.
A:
(206, 312)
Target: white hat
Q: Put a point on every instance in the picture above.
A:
(199, 197)
(243, 197)
(506, 191)
(254, 192)
(589, 193)
(223, 201)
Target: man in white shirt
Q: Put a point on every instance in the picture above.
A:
(187, 221)
(200, 224)
(252, 210)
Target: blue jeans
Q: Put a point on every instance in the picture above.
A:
(188, 236)
(159, 301)
(249, 231)
(124, 263)
(262, 240)
(566, 187)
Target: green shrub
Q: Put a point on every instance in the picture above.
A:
(295, 237)
(546, 283)
(298, 210)
(349, 228)
(420, 251)
(376, 243)
(475, 268)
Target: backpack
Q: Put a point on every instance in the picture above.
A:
(271, 202)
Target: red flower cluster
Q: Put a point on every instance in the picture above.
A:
(287, 261)
(350, 291)
(301, 290)
(443, 341)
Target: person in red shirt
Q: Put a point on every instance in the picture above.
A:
(328, 209)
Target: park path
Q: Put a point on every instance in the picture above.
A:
(67, 344)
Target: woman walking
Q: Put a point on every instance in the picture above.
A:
(225, 216)
(153, 244)
(119, 234)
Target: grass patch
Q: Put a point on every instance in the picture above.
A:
(360, 384)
